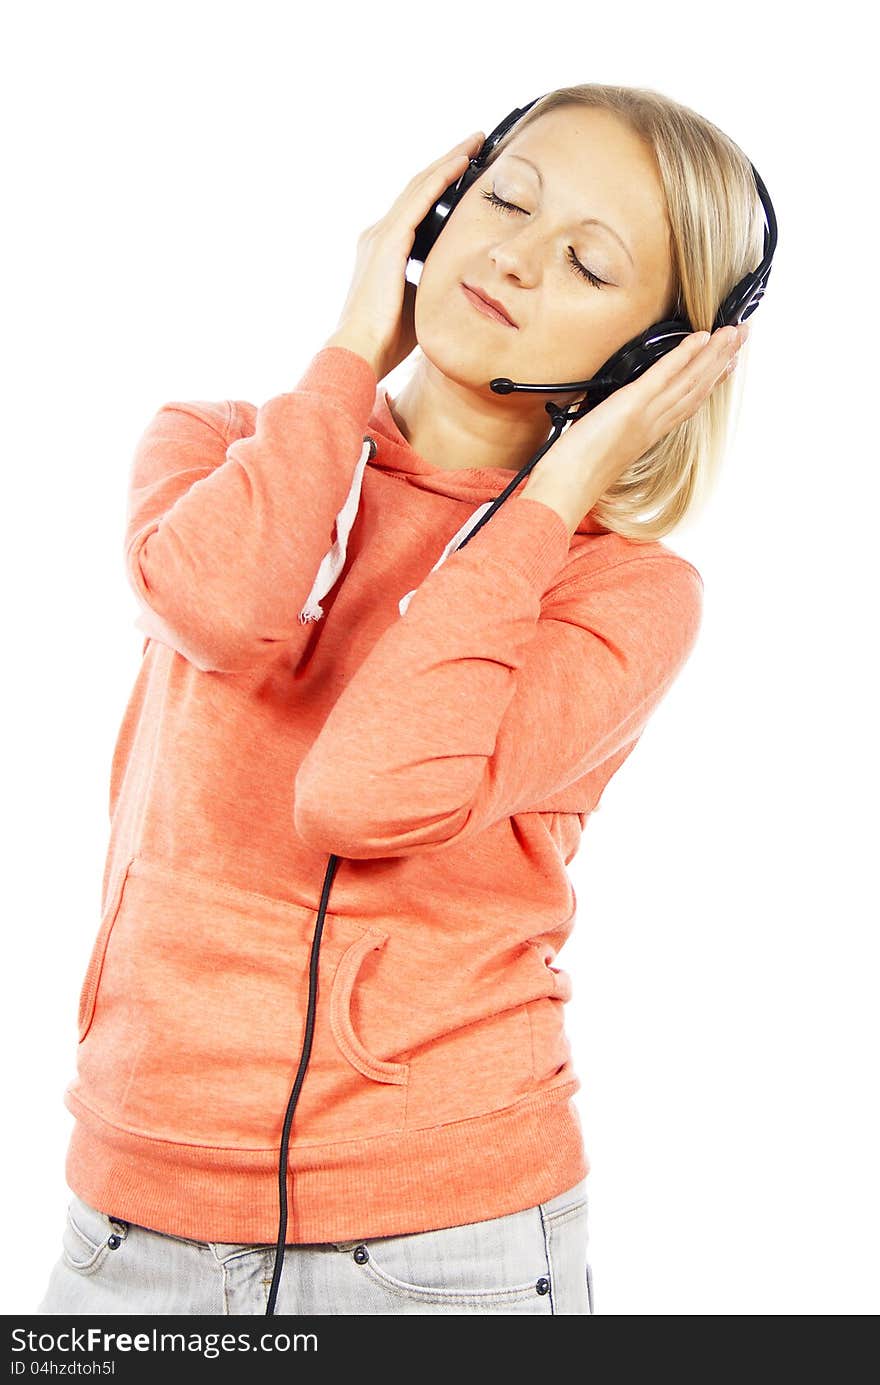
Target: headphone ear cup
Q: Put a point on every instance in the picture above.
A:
(432, 223)
(636, 356)
(743, 299)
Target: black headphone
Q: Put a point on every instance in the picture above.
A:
(625, 365)
(636, 356)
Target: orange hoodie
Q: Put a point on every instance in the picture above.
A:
(311, 684)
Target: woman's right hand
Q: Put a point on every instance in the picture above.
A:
(377, 319)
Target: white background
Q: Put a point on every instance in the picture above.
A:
(188, 182)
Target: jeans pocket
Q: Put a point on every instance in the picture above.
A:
(493, 1266)
(89, 1237)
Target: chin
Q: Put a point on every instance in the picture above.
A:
(462, 361)
(458, 353)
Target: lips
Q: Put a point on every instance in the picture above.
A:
(484, 300)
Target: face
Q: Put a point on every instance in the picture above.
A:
(575, 290)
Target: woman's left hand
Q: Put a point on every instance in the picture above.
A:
(596, 449)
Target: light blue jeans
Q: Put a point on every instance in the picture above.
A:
(530, 1262)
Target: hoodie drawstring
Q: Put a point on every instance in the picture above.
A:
(468, 525)
(334, 559)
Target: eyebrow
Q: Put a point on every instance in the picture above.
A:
(588, 220)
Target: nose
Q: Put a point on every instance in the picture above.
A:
(514, 256)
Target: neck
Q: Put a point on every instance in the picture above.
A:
(455, 426)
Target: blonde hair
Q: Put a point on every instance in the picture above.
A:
(717, 232)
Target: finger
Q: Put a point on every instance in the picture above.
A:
(447, 167)
(427, 186)
(467, 146)
(727, 344)
(685, 403)
(662, 383)
(731, 367)
(711, 365)
(708, 362)
(702, 348)
(693, 397)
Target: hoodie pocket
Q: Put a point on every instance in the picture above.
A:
(89, 989)
(552, 1060)
(194, 1015)
(340, 1012)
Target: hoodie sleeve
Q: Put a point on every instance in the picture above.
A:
(483, 698)
(224, 538)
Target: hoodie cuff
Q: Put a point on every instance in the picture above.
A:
(526, 535)
(343, 378)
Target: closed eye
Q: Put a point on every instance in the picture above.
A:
(585, 273)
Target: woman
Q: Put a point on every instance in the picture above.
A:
(443, 731)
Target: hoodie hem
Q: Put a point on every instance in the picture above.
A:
(409, 1181)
